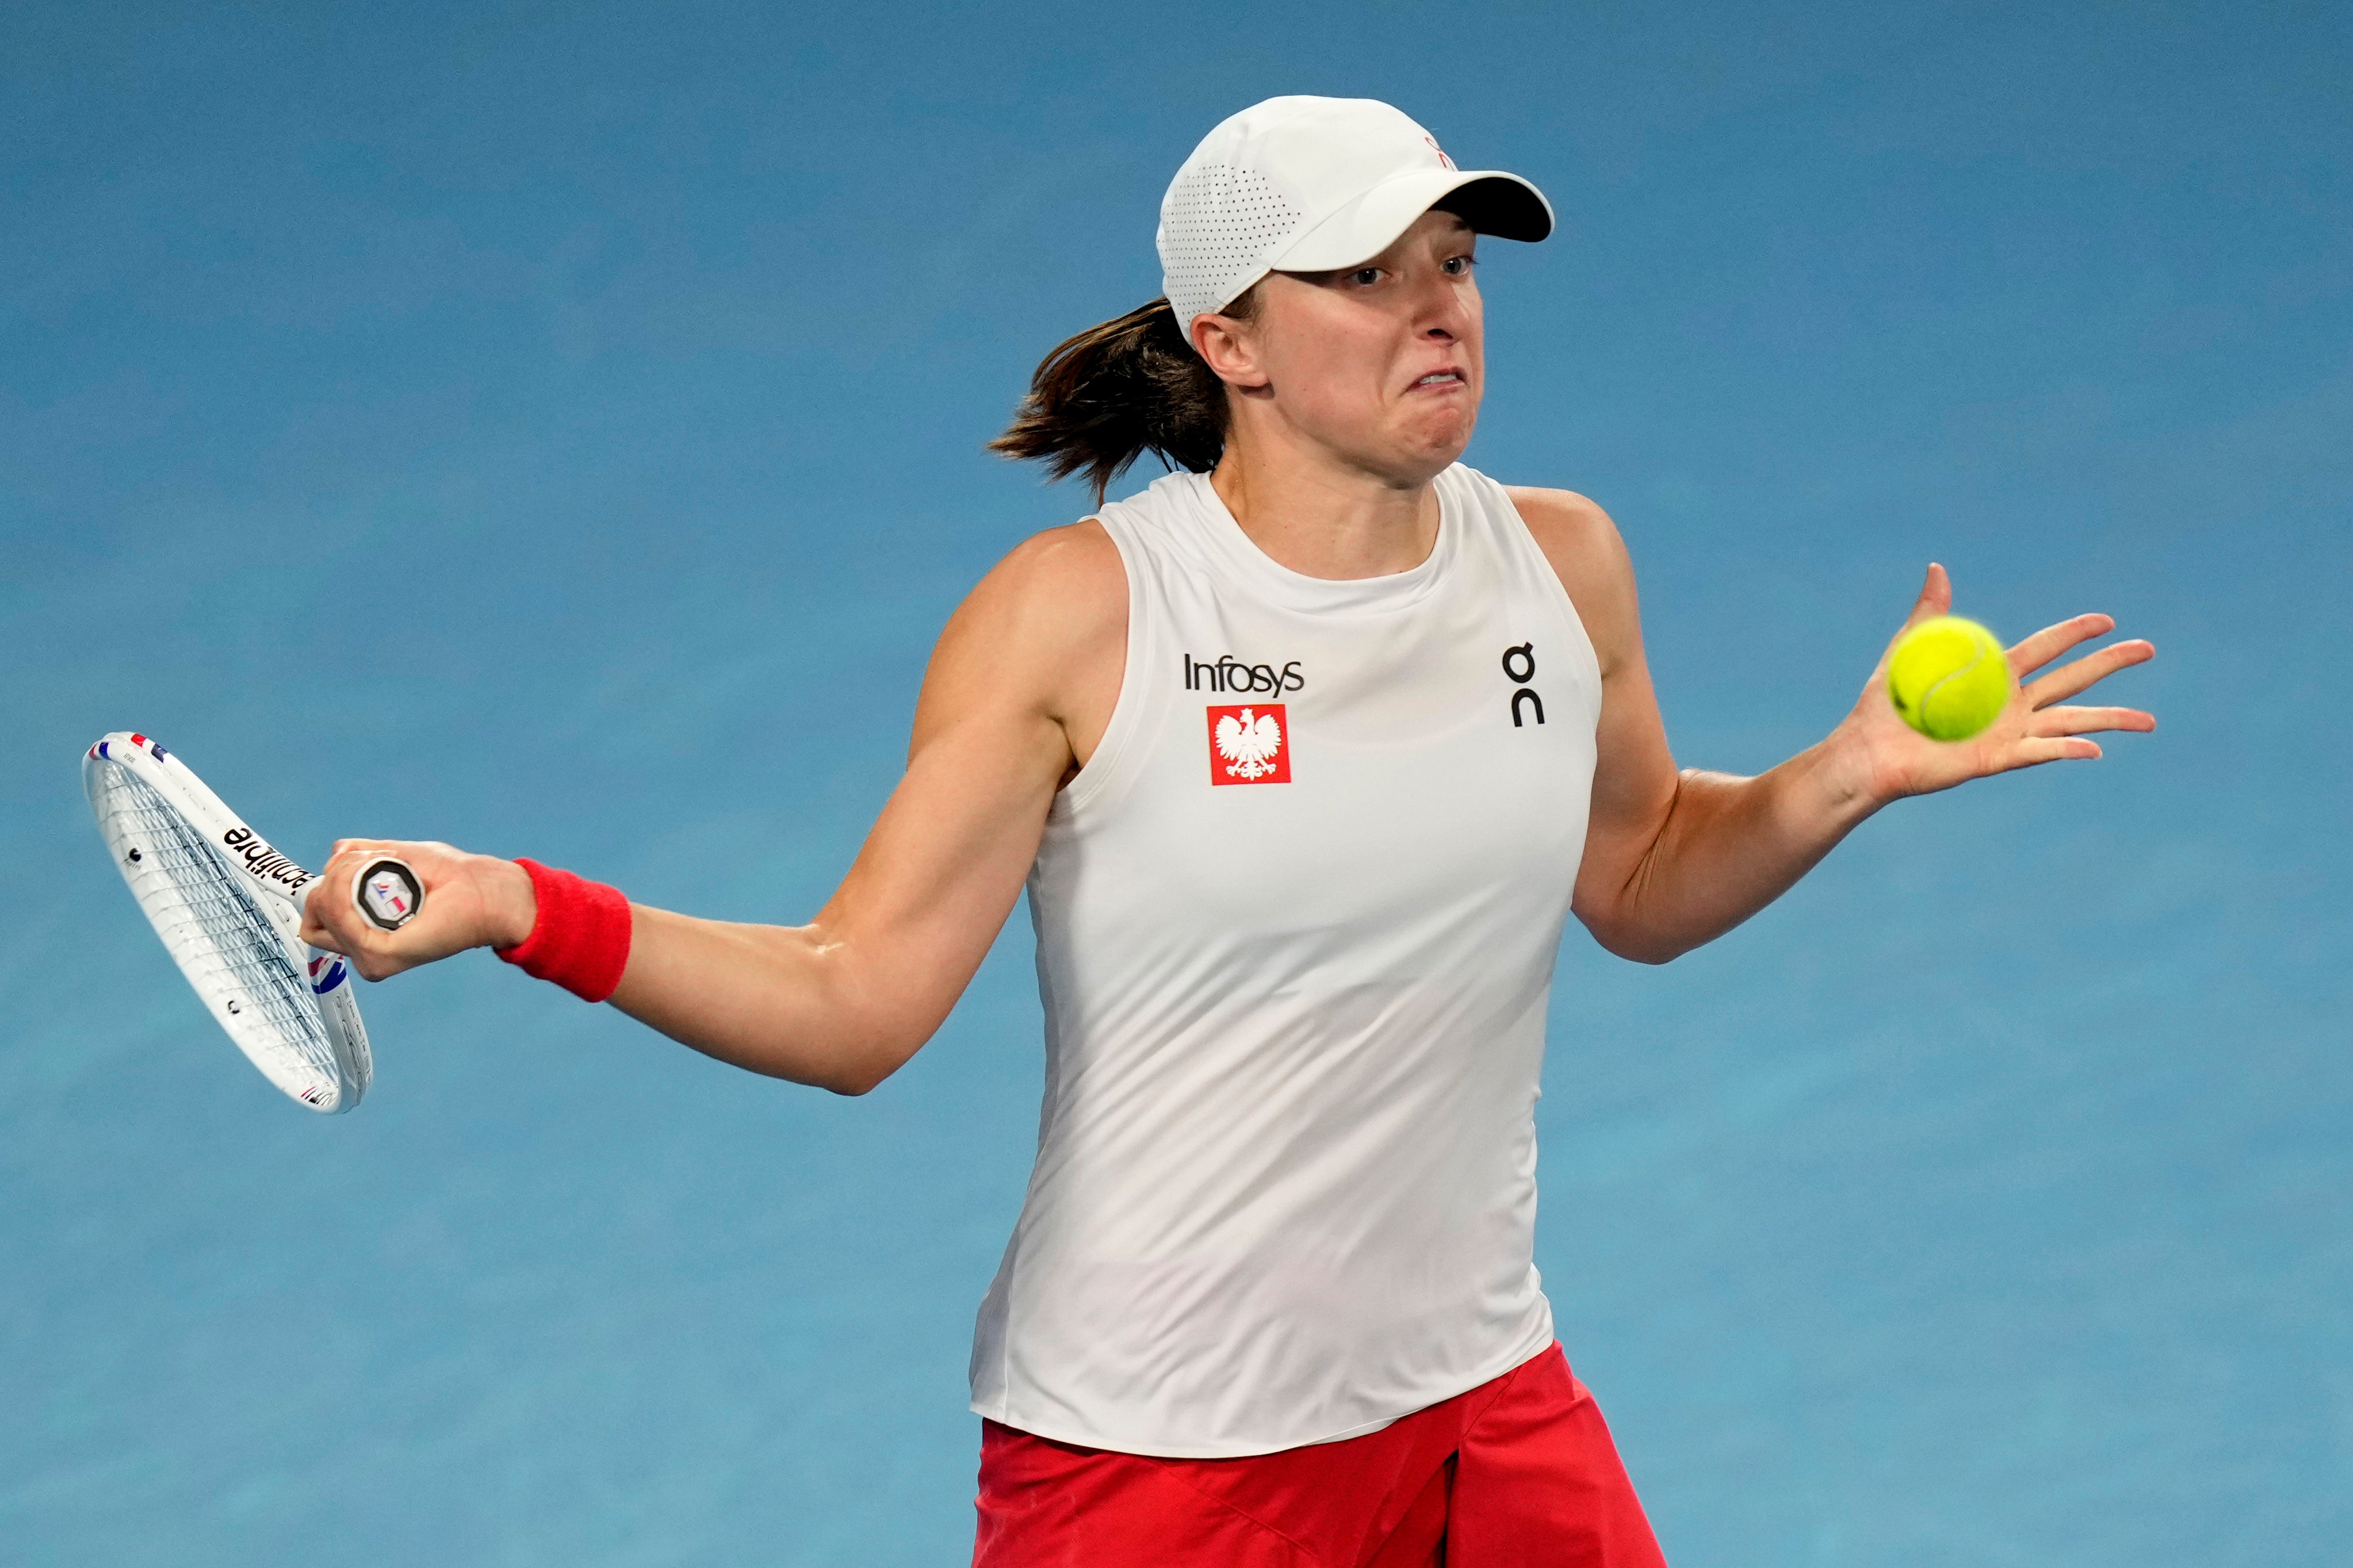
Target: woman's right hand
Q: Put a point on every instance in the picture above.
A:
(471, 900)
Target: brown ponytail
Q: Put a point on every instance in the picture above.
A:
(1117, 391)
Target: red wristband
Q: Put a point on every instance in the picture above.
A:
(581, 937)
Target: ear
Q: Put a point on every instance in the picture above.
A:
(1227, 347)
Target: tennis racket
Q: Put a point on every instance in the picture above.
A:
(229, 910)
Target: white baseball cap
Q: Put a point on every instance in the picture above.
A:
(1315, 184)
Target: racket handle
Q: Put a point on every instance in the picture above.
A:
(388, 892)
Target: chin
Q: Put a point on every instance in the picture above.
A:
(1411, 451)
(1440, 442)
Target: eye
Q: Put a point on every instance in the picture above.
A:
(1459, 265)
(1365, 276)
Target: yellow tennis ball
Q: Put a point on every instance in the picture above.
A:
(1949, 677)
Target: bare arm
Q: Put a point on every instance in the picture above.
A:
(1018, 691)
(1673, 860)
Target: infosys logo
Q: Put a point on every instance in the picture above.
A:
(1230, 673)
(263, 861)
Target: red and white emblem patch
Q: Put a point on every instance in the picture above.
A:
(1249, 746)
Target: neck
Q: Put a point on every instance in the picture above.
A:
(1321, 516)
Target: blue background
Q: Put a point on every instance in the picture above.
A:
(557, 430)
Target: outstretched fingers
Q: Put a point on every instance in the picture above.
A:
(2032, 653)
(2069, 679)
(2091, 721)
(2032, 749)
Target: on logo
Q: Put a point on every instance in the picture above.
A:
(1247, 745)
(1520, 667)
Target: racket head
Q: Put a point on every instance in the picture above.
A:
(228, 909)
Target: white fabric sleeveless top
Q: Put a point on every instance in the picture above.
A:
(1296, 921)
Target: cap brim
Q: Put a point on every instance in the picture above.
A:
(1489, 200)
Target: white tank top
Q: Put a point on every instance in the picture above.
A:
(1296, 921)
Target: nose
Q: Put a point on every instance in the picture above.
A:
(1440, 313)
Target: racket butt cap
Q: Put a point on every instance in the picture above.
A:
(388, 892)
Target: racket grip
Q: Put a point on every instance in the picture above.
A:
(389, 892)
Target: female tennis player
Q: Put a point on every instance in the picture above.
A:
(1304, 754)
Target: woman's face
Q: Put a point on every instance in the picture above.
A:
(1381, 365)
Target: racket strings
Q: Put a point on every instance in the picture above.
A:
(211, 925)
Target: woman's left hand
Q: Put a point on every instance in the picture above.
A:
(1892, 759)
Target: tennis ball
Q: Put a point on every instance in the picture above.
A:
(1949, 677)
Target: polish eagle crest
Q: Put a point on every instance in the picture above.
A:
(1248, 744)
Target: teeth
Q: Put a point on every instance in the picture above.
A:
(1434, 378)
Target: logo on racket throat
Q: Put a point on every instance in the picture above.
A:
(1250, 744)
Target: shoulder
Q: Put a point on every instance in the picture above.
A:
(1065, 581)
(1572, 531)
(1042, 629)
(1590, 559)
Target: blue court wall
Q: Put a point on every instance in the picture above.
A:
(559, 431)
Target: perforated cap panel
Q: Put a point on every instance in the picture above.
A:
(1218, 226)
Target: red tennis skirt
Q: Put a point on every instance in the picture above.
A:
(1517, 1473)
